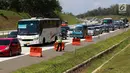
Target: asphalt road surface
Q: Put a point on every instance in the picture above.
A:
(9, 64)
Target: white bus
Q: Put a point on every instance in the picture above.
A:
(38, 30)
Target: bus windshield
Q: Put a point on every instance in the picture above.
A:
(27, 27)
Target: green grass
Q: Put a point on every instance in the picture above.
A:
(100, 60)
(14, 14)
(68, 60)
(119, 64)
(9, 19)
(3, 36)
(70, 18)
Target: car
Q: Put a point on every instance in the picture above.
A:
(117, 24)
(108, 24)
(99, 29)
(9, 47)
(105, 28)
(91, 31)
(111, 27)
(12, 34)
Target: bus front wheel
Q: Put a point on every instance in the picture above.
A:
(43, 42)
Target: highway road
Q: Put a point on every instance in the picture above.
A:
(24, 60)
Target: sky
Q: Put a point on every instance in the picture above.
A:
(82, 6)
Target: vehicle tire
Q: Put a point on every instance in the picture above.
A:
(107, 31)
(43, 41)
(113, 29)
(10, 53)
(119, 28)
(19, 53)
(65, 38)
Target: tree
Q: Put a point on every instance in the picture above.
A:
(112, 10)
(44, 8)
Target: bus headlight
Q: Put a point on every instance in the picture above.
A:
(36, 38)
(19, 39)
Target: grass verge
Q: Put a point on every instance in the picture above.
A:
(100, 60)
(119, 64)
(68, 60)
(70, 18)
(3, 36)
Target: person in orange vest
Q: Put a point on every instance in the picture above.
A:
(59, 41)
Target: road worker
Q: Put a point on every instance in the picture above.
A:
(59, 41)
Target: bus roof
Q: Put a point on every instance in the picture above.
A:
(39, 19)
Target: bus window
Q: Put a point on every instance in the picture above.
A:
(29, 28)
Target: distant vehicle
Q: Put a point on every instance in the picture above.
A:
(108, 22)
(80, 31)
(70, 31)
(117, 24)
(105, 28)
(98, 30)
(64, 30)
(65, 27)
(91, 31)
(122, 25)
(9, 46)
(38, 30)
(63, 33)
(12, 34)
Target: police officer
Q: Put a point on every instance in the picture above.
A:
(59, 41)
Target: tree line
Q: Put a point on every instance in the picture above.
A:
(44, 8)
(112, 10)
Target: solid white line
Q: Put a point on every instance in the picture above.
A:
(97, 69)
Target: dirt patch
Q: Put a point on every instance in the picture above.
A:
(8, 24)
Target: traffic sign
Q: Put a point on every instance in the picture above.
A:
(122, 8)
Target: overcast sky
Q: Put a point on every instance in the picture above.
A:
(82, 6)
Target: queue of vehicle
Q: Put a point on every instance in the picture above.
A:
(34, 31)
